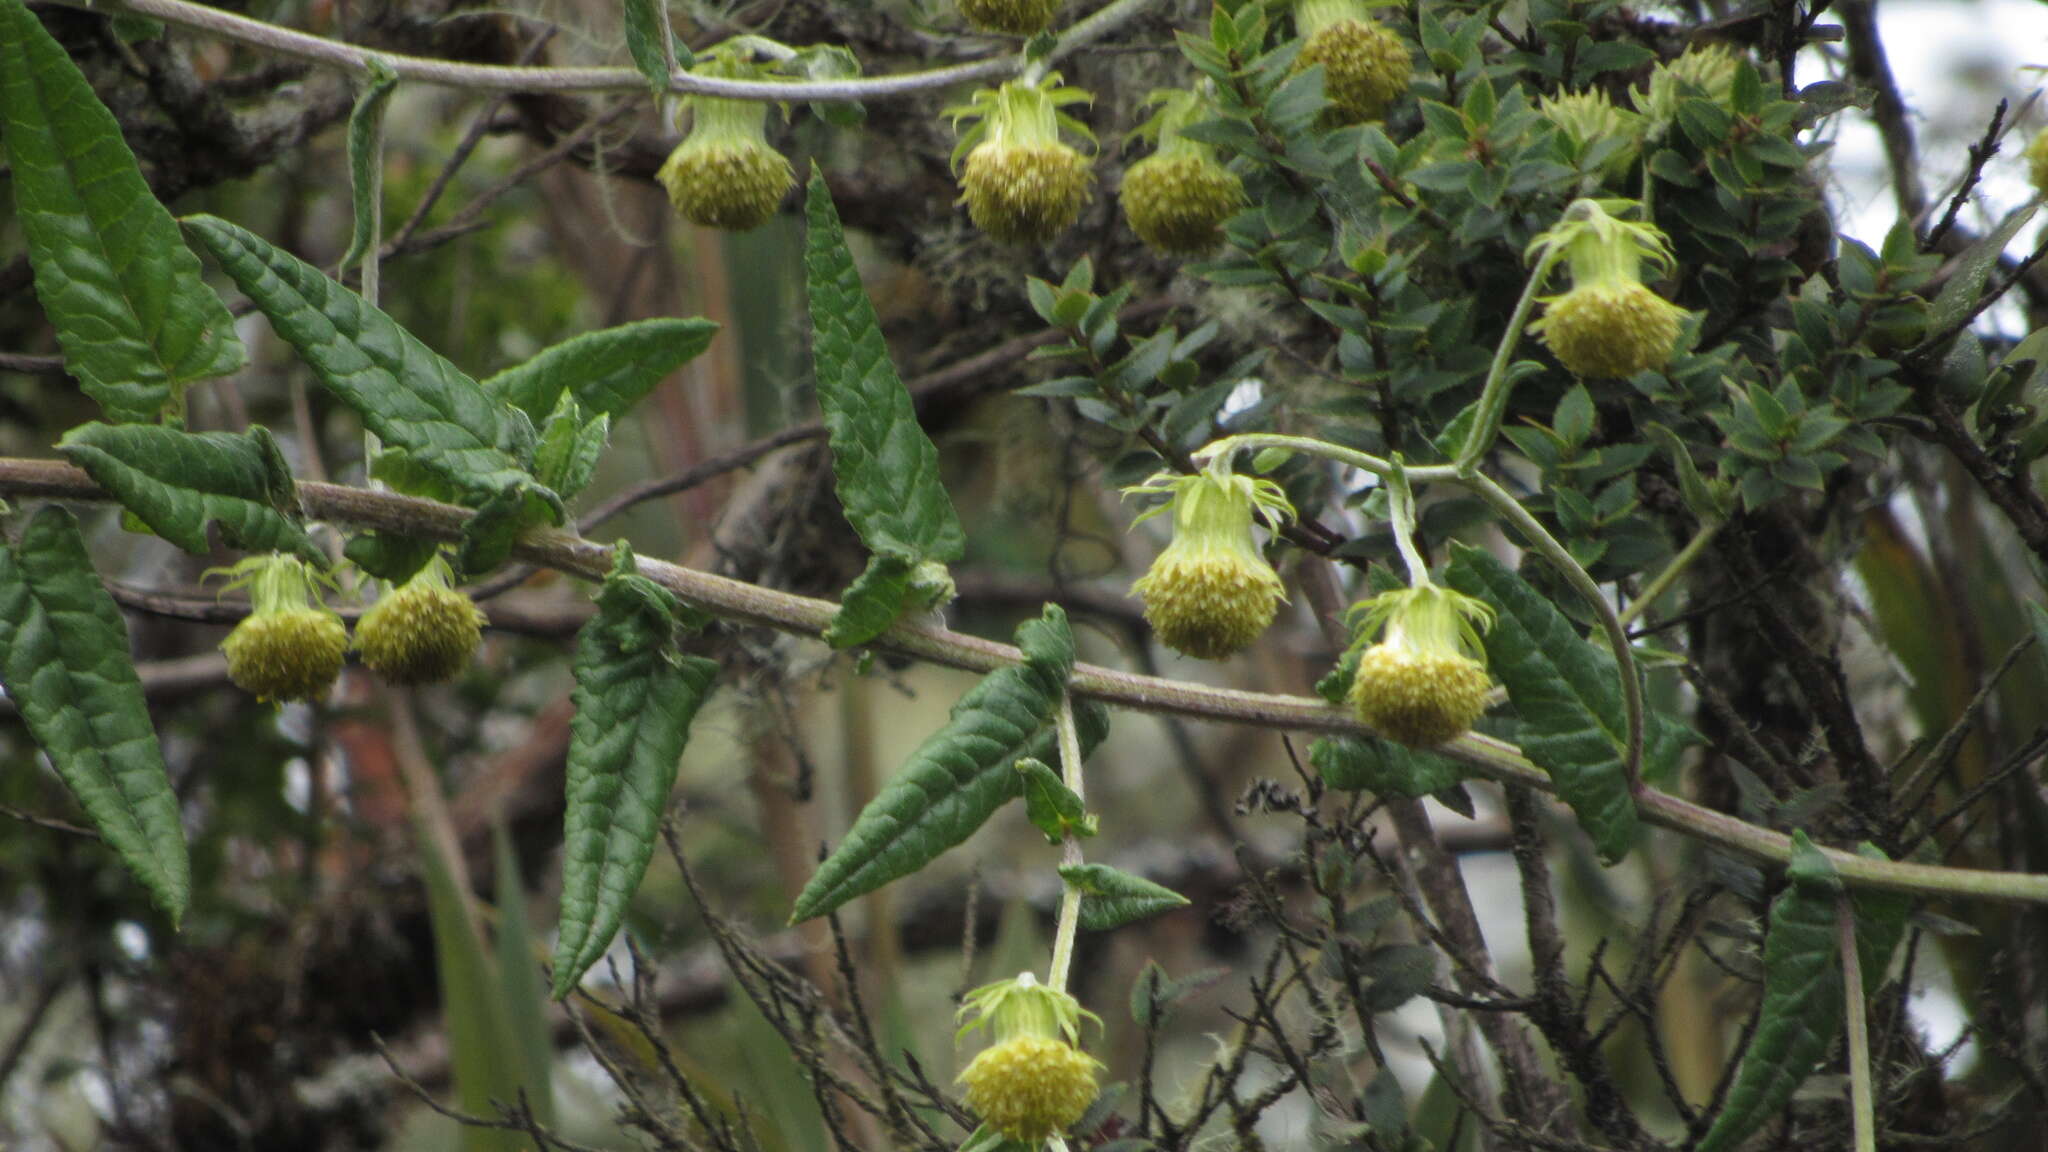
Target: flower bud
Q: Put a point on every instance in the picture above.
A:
(1589, 119)
(1012, 17)
(1365, 66)
(423, 632)
(1609, 323)
(291, 646)
(1211, 592)
(1707, 72)
(1425, 681)
(1033, 1082)
(2037, 163)
(1178, 198)
(724, 174)
(1021, 183)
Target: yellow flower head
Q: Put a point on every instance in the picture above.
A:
(1609, 323)
(1211, 592)
(423, 632)
(291, 646)
(1034, 1081)
(1021, 182)
(1365, 66)
(1424, 682)
(1178, 198)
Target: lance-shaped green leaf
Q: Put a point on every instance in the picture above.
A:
(1356, 763)
(886, 467)
(566, 457)
(960, 775)
(64, 661)
(1050, 805)
(1112, 898)
(366, 159)
(415, 401)
(1802, 1008)
(179, 482)
(124, 294)
(1568, 695)
(607, 371)
(635, 697)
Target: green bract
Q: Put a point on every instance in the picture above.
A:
(1211, 593)
(1425, 681)
(1178, 198)
(1021, 182)
(1365, 66)
(291, 646)
(1609, 323)
(1589, 119)
(1707, 72)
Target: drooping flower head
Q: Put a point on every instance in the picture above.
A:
(291, 646)
(1033, 1081)
(1177, 199)
(724, 174)
(1211, 592)
(1706, 71)
(1424, 681)
(1021, 182)
(1589, 121)
(1609, 323)
(1365, 65)
(1013, 17)
(424, 631)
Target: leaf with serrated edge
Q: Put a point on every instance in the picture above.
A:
(962, 773)
(1113, 898)
(886, 467)
(179, 482)
(635, 697)
(64, 661)
(404, 391)
(1803, 1004)
(1568, 695)
(124, 294)
(607, 371)
(872, 602)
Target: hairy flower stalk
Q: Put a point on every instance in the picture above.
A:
(1011, 17)
(423, 632)
(1211, 592)
(1610, 323)
(1425, 681)
(1021, 182)
(1033, 1081)
(724, 174)
(291, 646)
(1178, 198)
(1365, 66)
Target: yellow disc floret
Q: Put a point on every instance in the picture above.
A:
(424, 632)
(1178, 198)
(1425, 681)
(1021, 182)
(1014, 17)
(724, 174)
(1211, 593)
(2037, 163)
(1365, 66)
(291, 646)
(1609, 323)
(1033, 1082)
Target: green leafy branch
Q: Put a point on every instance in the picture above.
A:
(745, 603)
